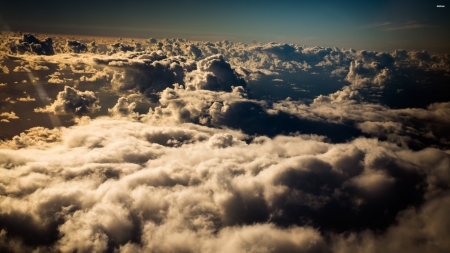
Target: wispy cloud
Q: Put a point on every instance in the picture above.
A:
(373, 25)
(389, 26)
(406, 26)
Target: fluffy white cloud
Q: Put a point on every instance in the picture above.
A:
(123, 108)
(131, 186)
(361, 74)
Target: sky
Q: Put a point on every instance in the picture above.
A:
(368, 25)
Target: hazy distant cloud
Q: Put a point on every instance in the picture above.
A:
(389, 26)
(406, 26)
(373, 25)
(72, 101)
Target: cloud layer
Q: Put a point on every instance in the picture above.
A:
(137, 186)
(169, 146)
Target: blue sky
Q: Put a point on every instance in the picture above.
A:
(374, 25)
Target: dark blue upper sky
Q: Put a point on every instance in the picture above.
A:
(370, 25)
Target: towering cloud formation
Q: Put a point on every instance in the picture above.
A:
(72, 101)
(29, 43)
(213, 73)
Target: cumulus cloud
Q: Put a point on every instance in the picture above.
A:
(72, 101)
(54, 78)
(198, 106)
(153, 72)
(347, 93)
(361, 74)
(37, 137)
(339, 71)
(206, 167)
(123, 108)
(30, 44)
(417, 231)
(411, 126)
(26, 99)
(10, 100)
(9, 115)
(75, 46)
(213, 73)
(4, 69)
(131, 186)
(38, 65)
(98, 75)
(149, 74)
(21, 69)
(254, 74)
(120, 47)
